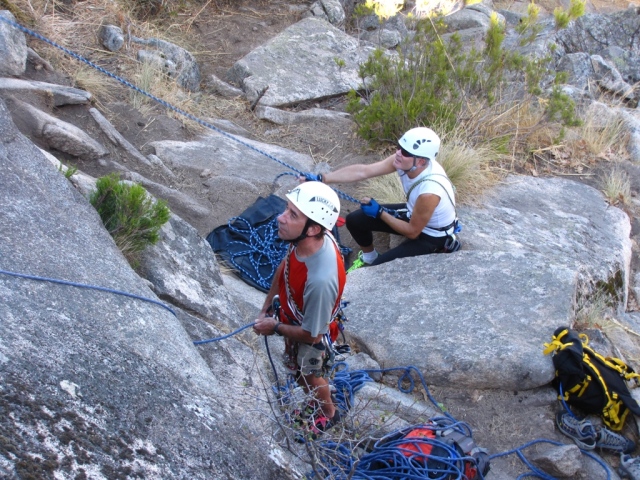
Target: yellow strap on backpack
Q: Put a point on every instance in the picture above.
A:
(556, 345)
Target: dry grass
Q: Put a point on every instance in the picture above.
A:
(513, 128)
(616, 186)
(602, 137)
(592, 310)
(146, 78)
(103, 89)
(76, 29)
(468, 166)
(385, 189)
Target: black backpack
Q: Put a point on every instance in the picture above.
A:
(590, 382)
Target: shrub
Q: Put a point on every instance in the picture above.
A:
(563, 17)
(129, 214)
(433, 82)
(529, 28)
(384, 9)
(416, 88)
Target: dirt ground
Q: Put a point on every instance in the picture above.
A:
(222, 32)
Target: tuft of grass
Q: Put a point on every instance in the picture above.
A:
(592, 310)
(616, 186)
(601, 139)
(147, 77)
(467, 167)
(67, 170)
(94, 82)
(130, 215)
(385, 189)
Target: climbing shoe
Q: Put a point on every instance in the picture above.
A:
(322, 424)
(609, 440)
(629, 467)
(581, 431)
(357, 263)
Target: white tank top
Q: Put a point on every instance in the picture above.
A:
(437, 184)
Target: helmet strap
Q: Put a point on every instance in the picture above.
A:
(309, 223)
(412, 169)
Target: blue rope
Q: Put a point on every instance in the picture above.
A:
(406, 377)
(387, 461)
(92, 287)
(537, 473)
(216, 339)
(348, 383)
(162, 102)
(264, 249)
(117, 292)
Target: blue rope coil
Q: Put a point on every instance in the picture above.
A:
(263, 249)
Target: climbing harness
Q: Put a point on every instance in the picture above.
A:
(427, 178)
(452, 244)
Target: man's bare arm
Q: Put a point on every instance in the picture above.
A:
(355, 173)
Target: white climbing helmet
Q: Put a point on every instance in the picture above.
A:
(317, 201)
(421, 142)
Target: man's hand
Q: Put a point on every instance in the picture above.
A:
(264, 325)
(371, 208)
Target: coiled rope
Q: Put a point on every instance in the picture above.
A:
(264, 249)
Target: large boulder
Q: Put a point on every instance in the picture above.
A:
(93, 382)
(478, 318)
(13, 47)
(309, 60)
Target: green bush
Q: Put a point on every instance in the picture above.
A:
(529, 28)
(433, 82)
(418, 87)
(130, 215)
